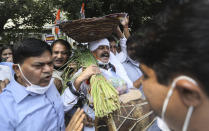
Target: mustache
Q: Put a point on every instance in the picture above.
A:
(47, 74)
(105, 54)
(59, 59)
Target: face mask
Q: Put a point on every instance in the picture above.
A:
(35, 88)
(102, 63)
(170, 92)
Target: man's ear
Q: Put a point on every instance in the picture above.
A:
(189, 92)
(16, 69)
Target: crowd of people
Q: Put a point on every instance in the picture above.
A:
(166, 60)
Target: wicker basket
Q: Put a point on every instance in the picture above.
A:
(91, 29)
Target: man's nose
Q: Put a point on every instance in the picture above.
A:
(8, 55)
(114, 51)
(48, 68)
(106, 49)
(59, 55)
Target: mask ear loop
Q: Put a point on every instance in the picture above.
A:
(24, 75)
(170, 92)
(187, 120)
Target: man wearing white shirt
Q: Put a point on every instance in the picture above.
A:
(100, 49)
(130, 64)
(61, 51)
(125, 57)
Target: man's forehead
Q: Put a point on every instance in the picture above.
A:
(59, 47)
(103, 46)
(7, 50)
(44, 58)
(113, 43)
(41, 59)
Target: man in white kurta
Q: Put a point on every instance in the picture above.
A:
(106, 62)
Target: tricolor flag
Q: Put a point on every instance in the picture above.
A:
(82, 12)
(49, 38)
(57, 21)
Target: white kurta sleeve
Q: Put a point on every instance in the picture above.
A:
(120, 71)
(68, 99)
(123, 45)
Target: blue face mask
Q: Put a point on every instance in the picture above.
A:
(36, 88)
(170, 92)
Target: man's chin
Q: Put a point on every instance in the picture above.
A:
(105, 60)
(44, 84)
(46, 81)
(58, 65)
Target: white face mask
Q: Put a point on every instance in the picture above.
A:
(35, 88)
(102, 63)
(170, 92)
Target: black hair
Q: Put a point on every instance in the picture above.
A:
(179, 46)
(4, 47)
(29, 48)
(64, 43)
(129, 41)
(112, 38)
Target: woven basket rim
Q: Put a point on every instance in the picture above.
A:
(91, 29)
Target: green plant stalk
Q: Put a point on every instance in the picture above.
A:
(105, 96)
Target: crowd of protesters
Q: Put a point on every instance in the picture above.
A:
(167, 60)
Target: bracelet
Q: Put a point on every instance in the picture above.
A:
(69, 84)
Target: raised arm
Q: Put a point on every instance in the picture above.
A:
(124, 23)
(85, 75)
(71, 94)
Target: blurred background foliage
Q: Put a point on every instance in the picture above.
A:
(32, 15)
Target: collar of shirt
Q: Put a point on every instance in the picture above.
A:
(132, 61)
(57, 74)
(17, 90)
(107, 66)
(104, 66)
(121, 57)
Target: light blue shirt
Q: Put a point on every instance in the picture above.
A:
(8, 64)
(21, 110)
